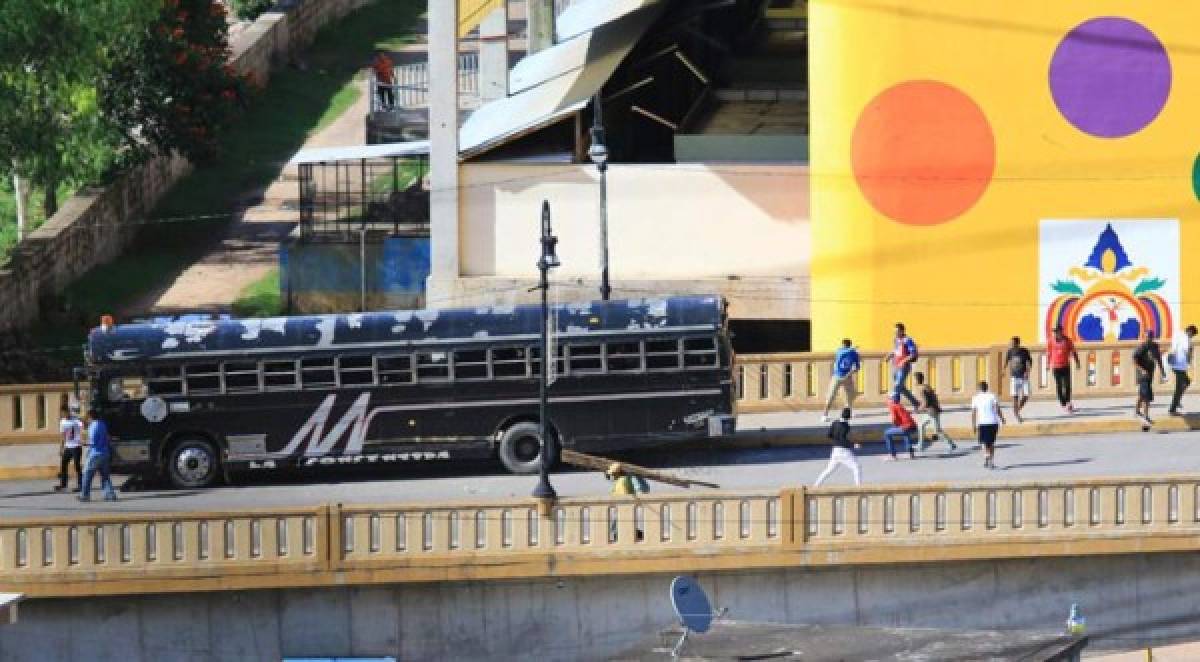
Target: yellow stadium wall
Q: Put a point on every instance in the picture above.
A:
(974, 278)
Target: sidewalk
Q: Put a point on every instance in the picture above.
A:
(1042, 418)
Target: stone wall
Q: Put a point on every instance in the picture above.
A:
(95, 225)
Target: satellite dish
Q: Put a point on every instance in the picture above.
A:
(692, 607)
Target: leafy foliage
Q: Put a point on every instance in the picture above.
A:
(171, 88)
(1066, 287)
(248, 10)
(1149, 285)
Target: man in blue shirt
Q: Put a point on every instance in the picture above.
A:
(902, 356)
(99, 459)
(846, 365)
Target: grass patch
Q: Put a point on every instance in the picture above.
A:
(8, 212)
(195, 213)
(261, 298)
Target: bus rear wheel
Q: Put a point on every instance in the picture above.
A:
(193, 462)
(520, 449)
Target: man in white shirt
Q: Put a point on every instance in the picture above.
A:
(986, 418)
(70, 429)
(1180, 359)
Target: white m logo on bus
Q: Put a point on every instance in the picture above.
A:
(320, 443)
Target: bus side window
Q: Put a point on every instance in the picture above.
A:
(433, 367)
(395, 369)
(700, 352)
(241, 376)
(624, 357)
(279, 375)
(317, 372)
(585, 359)
(203, 378)
(509, 363)
(356, 370)
(662, 354)
(165, 380)
(471, 364)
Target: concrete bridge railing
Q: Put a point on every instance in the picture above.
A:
(335, 545)
(791, 382)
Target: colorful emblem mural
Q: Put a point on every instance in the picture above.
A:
(1106, 294)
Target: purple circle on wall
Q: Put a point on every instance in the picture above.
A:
(1110, 77)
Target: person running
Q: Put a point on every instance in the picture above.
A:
(931, 415)
(1181, 362)
(839, 434)
(986, 418)
(1146, 357)
(71, 430)
(846, 364)
(902, 356)
(1060, 350)
(99, 459)
(903, 427)
(1019, 363)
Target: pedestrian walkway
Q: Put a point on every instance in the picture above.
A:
(1042, 418)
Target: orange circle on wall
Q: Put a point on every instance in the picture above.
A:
(923, 152)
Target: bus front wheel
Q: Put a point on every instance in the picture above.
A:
(520, 449)
(193, 462)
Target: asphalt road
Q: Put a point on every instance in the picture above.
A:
(734, 469)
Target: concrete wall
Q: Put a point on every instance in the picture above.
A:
(323, 277)
(1125, 600)
(95, 225)
(739, 229)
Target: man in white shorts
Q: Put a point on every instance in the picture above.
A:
(1020, 368)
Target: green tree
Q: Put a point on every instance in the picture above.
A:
(52, 52)
(172, 88)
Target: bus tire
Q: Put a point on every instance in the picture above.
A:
(193, 462)
(520, 449)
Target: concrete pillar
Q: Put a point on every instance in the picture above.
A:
(443, 153)
(540, 14)
(493, 55)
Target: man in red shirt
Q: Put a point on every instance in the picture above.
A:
(384, 80)
(1060, 350)
(903, 427)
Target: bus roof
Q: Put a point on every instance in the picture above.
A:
(185, 338)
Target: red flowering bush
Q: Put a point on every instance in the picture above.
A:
(171, 88)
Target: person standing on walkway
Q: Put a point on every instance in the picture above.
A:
(846, 364)
(99, 459)
(1181, 363)
(839, 434)
(931, 415)
(1146, 357)
(902, 356)
(1019, 363)
(1060, 350)
(903, 427)
(986, 418)
(70, 428)
(385, 81)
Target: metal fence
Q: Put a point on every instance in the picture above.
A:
(376, 195)
(410, 86)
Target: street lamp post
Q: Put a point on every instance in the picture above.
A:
(598, 153)
(549, 260)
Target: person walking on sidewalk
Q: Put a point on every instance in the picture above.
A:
(1019, 363)
(846, 364)
(931, 415)
(986, 418)
(1146, 357)
(841, 455)
(1181, 362)
(99, 459)
(903, 427)
(902, 356)
(1060, 350)
(71, 430)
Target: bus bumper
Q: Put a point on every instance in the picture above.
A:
(722, 425)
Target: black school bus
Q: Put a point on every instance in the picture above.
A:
(196, 400)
